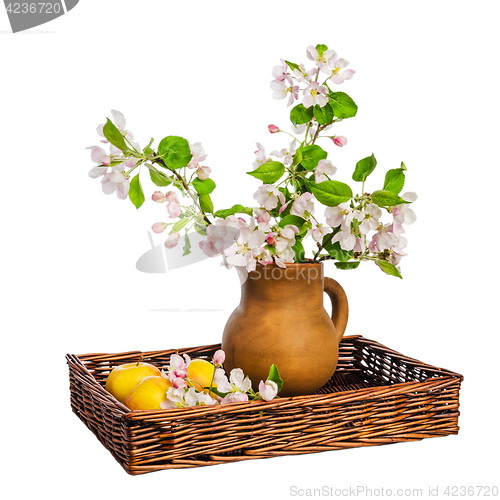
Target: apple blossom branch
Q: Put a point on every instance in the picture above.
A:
(294, 181)
(186, 391)
(186, 187)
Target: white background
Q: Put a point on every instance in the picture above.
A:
(426, 85)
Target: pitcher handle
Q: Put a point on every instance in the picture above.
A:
(340, 306)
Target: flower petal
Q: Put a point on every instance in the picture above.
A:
(342, 63)
(119, 119)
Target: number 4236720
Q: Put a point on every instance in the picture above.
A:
(34, 8)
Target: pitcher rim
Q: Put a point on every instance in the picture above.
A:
(290, 264)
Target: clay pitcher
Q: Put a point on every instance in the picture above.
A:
(281, 320)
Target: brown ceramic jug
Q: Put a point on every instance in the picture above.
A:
(281, 320)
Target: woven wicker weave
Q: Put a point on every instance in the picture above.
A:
(376, 396)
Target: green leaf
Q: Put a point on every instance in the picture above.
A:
(200, 225)
(112, 164)
(206, 203)
(300, 114)
(394, 180)
(274, 375)
(297, 157)
(147, 150)
(321, 48)
(175, 151)
(331, 193)
(292, 65)
(201, 228)
(301, 182)
(159, 178)
(269, 172)
(304, 228)
(347, 265)
(364, 168)
(179, 225)
(311, 155)
(114, 136)
(343, 106)
(135, 192)
(203, 187)
(187, 245)
(336, 251)
(298, 250)
(389, 268)
(384, 198)
(235, 209)
(294, 220)
(323, 115)
(271, 248)
(286, 193)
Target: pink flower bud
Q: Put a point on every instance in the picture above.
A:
(339, 140)
(203, 173)
(273, 129)
(283, 207)
(270, 240)
(159, 227)
(178, 382)
(171, 197)
(172, 240)
(268, 390)
(219, 357)
(159, 197)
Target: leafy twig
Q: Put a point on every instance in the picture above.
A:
(186, 187)
(328, 239)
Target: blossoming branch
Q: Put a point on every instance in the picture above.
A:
(295, 181)
(185, 392)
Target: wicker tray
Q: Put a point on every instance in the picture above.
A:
(376, 396)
